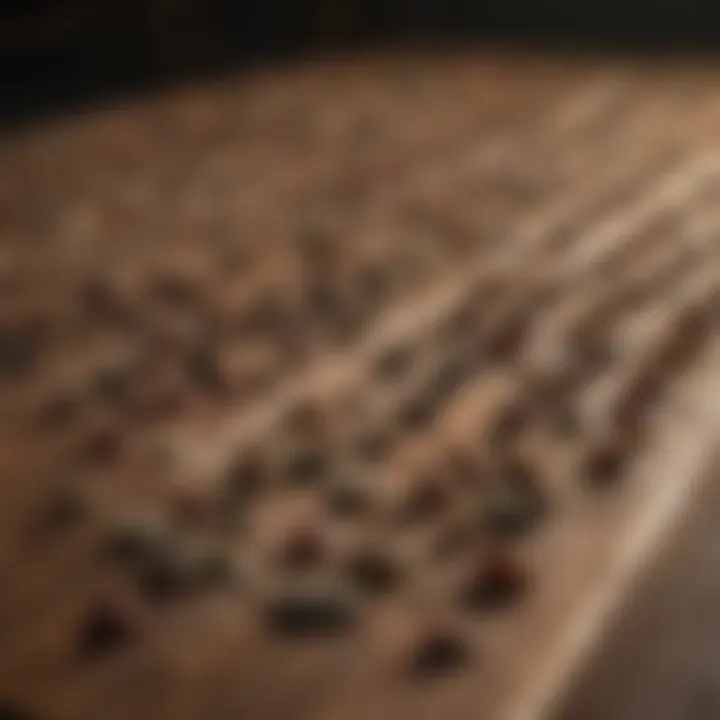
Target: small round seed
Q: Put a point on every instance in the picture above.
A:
(500, 582)
(439, 653)
(374, 572)
(310, 614)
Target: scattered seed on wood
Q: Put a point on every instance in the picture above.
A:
(393, 363)
(304, 548)
(310, 614)
(438, 653)
(500, 582)
(519, 504)
(112, 620)
(104, 443)
(373, 571)
(308, 466)
(22, 345)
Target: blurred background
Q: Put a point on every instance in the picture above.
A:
(55, 53)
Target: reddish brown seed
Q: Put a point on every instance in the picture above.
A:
(440, 652)
(428, 499)
(104, 443)
(604, 465)
(189, 506)
(114, 618)
(304, 548)
(501, 581)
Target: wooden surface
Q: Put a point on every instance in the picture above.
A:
(199, 278)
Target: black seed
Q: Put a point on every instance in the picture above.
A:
(439, 653)
(310, 615)
(393, 363)
(308, 466)
(374, 572)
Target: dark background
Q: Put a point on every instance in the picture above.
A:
(56, 54)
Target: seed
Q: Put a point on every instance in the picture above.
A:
(103, 443)
(167, 574)
(304, 548)
(59, 409)
(306, 420)
(246, 476)
(519, 505)
(349, 499)
(64, 511)
(308, 466)
(112, 620)
(135, 542)
(392, 363)
(21, 349)
(438, 653)
(204, 368)
(604, 466)
(500, 582)
(418, 412)
(307, 614)
(374, 572)
(374, 445)
(113, 382)
(426, 500)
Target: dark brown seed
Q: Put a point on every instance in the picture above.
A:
(438, 653)
(392, 363)
(167, 574)
(500, 582)
(112, 620)
(374, 445)
(174, 290)
(65, 510)
(307, 420)
(418, 412)
(246, 476)
(508, 424)
(204, 368)
(113, 383)
(135, 543)
(310, 614)
(427, 499)
(604, 466)
(59, 410)
(21, 349)
(308, 466)
(519, 505)
(104, 444)
(304, 548)
(374, 572)
(349, 500)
